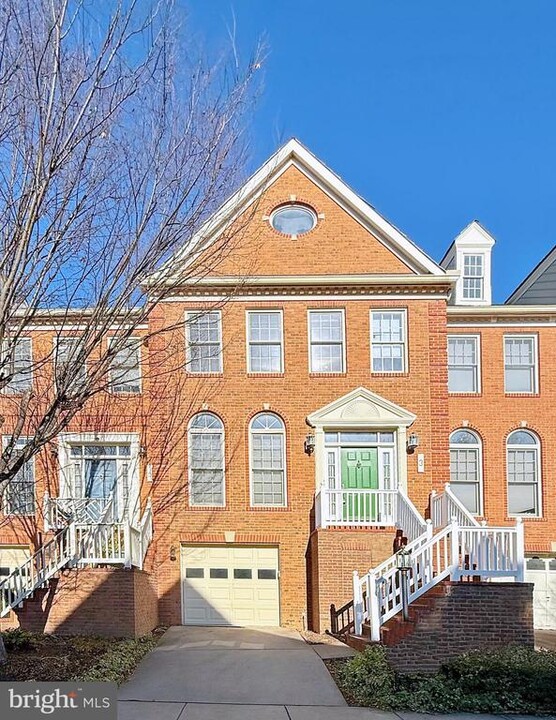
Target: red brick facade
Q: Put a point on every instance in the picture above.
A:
(315, 565)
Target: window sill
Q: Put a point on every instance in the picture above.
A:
(465, 394)
(401, 373)
(206, 508)
(268, 508)
(119, 393)
(522, 394)
(327, 374)
(529, 518)
(204, 374)
(265, 375)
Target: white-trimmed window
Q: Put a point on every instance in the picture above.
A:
(268, 460)
(463, 364)
(523, 451)
(520, 363)
(388, 341)
(204, 341)
(17, 363)
(125, 370)
(265, 342)
(69, 372)
(326, 341)
(206, 460)
(473, 277)
(19, 493)
(466, 469)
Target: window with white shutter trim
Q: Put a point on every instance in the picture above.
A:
(17, 365)
(19, 494)
(70, 373)
(125, 371)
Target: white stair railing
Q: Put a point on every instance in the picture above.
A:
(445, 505)
(104, 543)
(409, 519)
(35, 571)
(453, 552)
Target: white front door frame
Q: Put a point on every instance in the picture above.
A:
(361, 410)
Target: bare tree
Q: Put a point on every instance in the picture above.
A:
(117, 142)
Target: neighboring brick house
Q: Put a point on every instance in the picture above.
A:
(324, 375)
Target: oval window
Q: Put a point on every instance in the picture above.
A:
(293, 220)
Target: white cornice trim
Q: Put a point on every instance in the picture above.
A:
(328, 280)
(294, 153)
(361, 408)
(502, 310)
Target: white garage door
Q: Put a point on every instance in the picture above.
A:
(542, 572)
(230, 585)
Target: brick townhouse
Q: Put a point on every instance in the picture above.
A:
(310, 395)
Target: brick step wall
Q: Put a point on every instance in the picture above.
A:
(454, 618)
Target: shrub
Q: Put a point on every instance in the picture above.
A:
(368, 678)
(117, 664)
(18, 639)
(512, 679)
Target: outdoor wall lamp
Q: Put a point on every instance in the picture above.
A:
(412, 442)
(309, 444)
(173, 553)
(403, 565)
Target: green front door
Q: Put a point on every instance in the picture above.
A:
(359, 472)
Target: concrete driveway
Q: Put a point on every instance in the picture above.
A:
(201, 673)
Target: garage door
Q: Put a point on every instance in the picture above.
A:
(542, 572)
(230, 585)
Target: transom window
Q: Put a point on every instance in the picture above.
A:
(326, 340)
(204, 342)
(466, 470)
(264, 338)
(520, 363)
(125, 371)
(268, 462)
(473, 277)
(206, 460)
(19, 493)
(523, 467)
(17, 364)
(293, 220)
(463, 363)
(388, 341)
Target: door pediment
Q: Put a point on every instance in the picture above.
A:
(361, 408)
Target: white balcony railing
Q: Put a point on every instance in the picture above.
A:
(59, 511)
(356, 508)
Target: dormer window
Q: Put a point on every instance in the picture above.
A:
(293, 220)
(473, 277)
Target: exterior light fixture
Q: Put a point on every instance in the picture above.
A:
(309, 444)
(403, 565)
(173, 553)
(412, 442)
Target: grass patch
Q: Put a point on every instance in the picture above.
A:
(33, 656)
(511, 680)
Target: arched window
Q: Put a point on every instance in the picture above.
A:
(466, 469)
(523, 451)
(268, 460)
(206, 460)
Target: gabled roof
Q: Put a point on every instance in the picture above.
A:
(474, 230)
(361, 407)
(293, 153)
(536, 274)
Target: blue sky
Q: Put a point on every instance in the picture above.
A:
(437, 112)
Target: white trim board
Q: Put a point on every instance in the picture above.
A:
(293, 153)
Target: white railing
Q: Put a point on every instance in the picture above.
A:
(35, 571)
(408, 518)
(454, 552)
(445, 505)
(104, 543)
(60, 511)
(356, 508)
